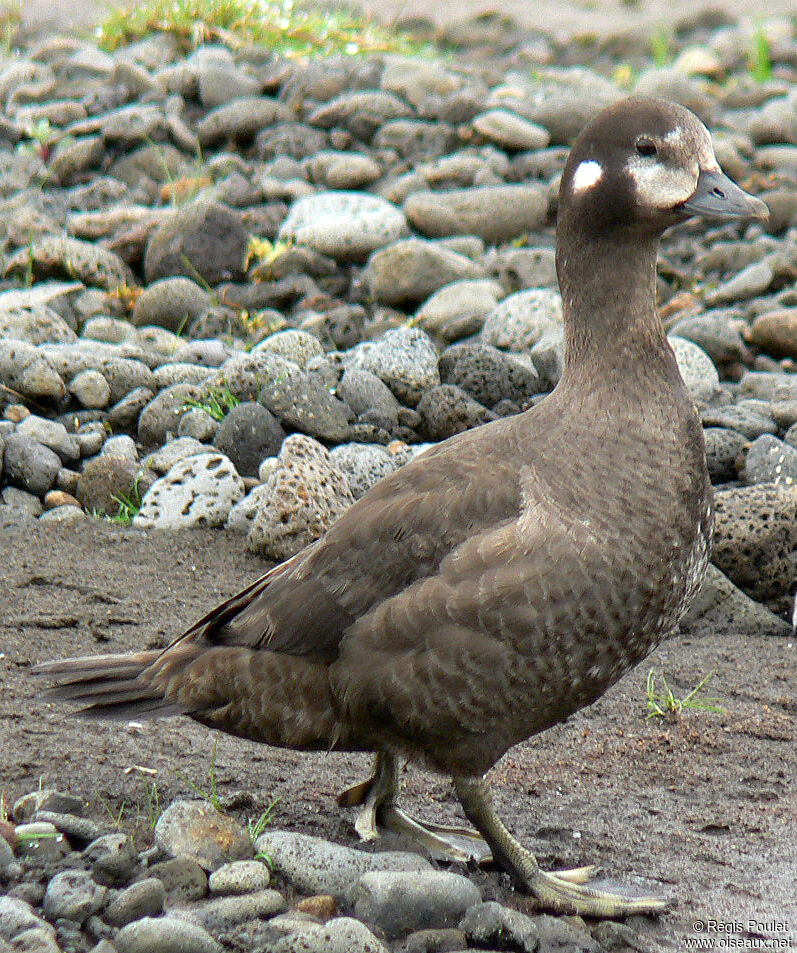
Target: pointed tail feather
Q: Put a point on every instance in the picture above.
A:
(109, 686)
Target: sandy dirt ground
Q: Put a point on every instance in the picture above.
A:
(702, 808)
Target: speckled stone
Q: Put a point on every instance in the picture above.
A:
(398, 902)
(240, 876)
(197, 830)
(343, 225)
(198, 491)
(165, 935)
(306, 494)
(496, 213)
(315, 865)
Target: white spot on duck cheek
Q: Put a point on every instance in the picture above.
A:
(587, 175)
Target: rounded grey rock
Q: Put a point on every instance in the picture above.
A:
(29, 464)
(165, 935)
(239, 876)
(755, 541)
(409, 271)
(697, 369)
(724, 447)
(489, 375)
(171, 303)
(162, 414)
(16, 916)
(496, 213)
(221, 914)
(247, 435)
(181, 373)
(113, 859)
(521, 320)
(340, 935)
(121, 445)
(199, 425)
(447, 410)
(770, 460)
(198, 491)
(208, 235)
(459, 309)
(242, 515)
(207, 353)
(242, 118)
(162, 460)
(106, 479)
(125, 375)
(221, 83)
(511, 131)
(51, 434)
(35, 323)
(297, 346)
(13, 496)
(370, 399)
(63, 514)
(522, 268)
(398, 902)
(90, 389)
(343, 225)
(73, 895)
(363, 464)
(143, 899)
(717, 332)
(745, 420)
(182, 878)
(749, 283)
(197, 830)
(361, 112)
(48, 799)
(314, 865)
(306, 494)
(299, 401)
(404, 359)
(77, 829)
(768, 385)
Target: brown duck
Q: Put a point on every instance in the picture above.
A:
(508, 576)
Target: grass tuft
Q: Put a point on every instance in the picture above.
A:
(217, 403)
(665, 704)
(129, 505)
(760, 59)
(660, 48)
(209, 794)
(288, 28)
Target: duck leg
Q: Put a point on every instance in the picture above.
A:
(378, 796)
(561, 892)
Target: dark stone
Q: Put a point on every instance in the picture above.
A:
(723, 448)
(446, 410)
(247, 435)
(107, 478)
(489, 375)
(29, 464)
(204, 239)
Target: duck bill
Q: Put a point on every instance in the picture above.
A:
(717, 197)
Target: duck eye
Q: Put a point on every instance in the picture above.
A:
(646, 147)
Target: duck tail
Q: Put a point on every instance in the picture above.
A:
(108, 686)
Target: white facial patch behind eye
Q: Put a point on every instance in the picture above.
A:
(660, 185)
(587, 174)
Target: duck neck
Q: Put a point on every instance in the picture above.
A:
(613, 333)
